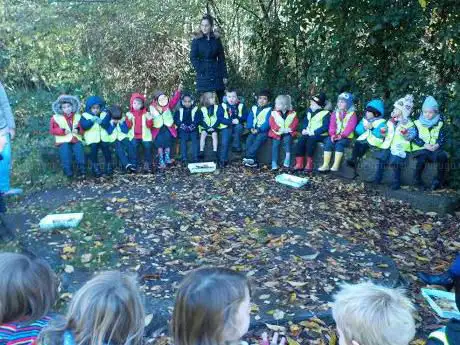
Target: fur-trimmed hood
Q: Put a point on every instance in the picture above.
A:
(74, 101)
(199, 34)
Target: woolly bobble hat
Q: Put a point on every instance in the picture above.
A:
(430, 104)
(376, 106)
(347, 97)
(320, 99)
(406, 105)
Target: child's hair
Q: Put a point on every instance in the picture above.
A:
(286, 100)
(231, 90)
(206, 304)
(115, 112)
(264, 93)
(28, 288)
(204, 99)
(106, 310)
(373, 315)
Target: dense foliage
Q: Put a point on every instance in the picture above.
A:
(373, 48)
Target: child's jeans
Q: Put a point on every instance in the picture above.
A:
(338, 145)
(184, 138)
(106, 149)
(438, 156)
(253, 143)
(124, 152)
(237, 131)
(225, 137)
(286, 139)
(148, 158)
(66, 151)
(307, 145)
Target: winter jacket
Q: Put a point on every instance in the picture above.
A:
(208, 60)
(136, 121)
(350, 127)
(325, 123)
(274, 127)
(251, 121)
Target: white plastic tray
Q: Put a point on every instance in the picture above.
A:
(205, 167)
(63, 220)
(430, 296)
(291, 180)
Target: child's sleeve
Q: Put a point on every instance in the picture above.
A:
(250, 120)
(129, 121)
(417, 140)
(360, 128)
(106, 121)
(85, 123)
(351, 125)
(273, 125)
(332, 126)
(110, 128)
(124, 127)
(244, 115)
(195, 56)
(304, 123)
(202, 122)
(412, 133)
(377, 131)
(177, 120)
(324, 126)
(221, 117)
(148, 122)
(175, 99)
(442, 139)
(55, 129)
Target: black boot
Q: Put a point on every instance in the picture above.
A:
(418, 174)
(444, 279)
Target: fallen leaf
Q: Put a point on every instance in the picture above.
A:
(85, 258)
(297, 284)
(69, 269)
(276, 328)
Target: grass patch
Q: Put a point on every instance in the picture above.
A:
(94, 238)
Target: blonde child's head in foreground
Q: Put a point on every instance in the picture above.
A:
(28, 288)
(283, 103)
(212, 307)
(106, 310)
(369, 314)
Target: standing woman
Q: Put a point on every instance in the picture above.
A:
(208, 59)
(7, 132)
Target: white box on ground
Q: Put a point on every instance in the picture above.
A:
(63, 220)
(291, 180)
(442, 302)
(205, 167)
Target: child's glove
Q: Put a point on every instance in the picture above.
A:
(183, 127)
(192, 128)
(235, 121)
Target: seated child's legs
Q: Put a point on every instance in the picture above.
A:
(329, 146)
(203, 136)
(341, 144)
(79, 154)
(359, 150)
(107, 152)
(250, 141)
(300, 147)
(214, 141)
(121, 148)
(148, 153)
(275, 150)
(312, 141)
(65, 155)
(195, 146)
(237, 132)
(287, 141)
(226, 137)
(184, 138)
(93, 156)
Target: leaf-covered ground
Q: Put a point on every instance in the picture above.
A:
(297, 246)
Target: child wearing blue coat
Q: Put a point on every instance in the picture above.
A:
(258, 124)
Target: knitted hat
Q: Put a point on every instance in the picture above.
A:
(376, 106)
(430, 104)
(56, 106)
(406, 105)
(320, 99)
(347, 97)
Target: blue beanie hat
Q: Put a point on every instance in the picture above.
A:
(93, 100)
(430, 104)
(376, 105)
(347, 97)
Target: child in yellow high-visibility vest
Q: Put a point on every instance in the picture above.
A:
(210, 113)
(66, 128)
